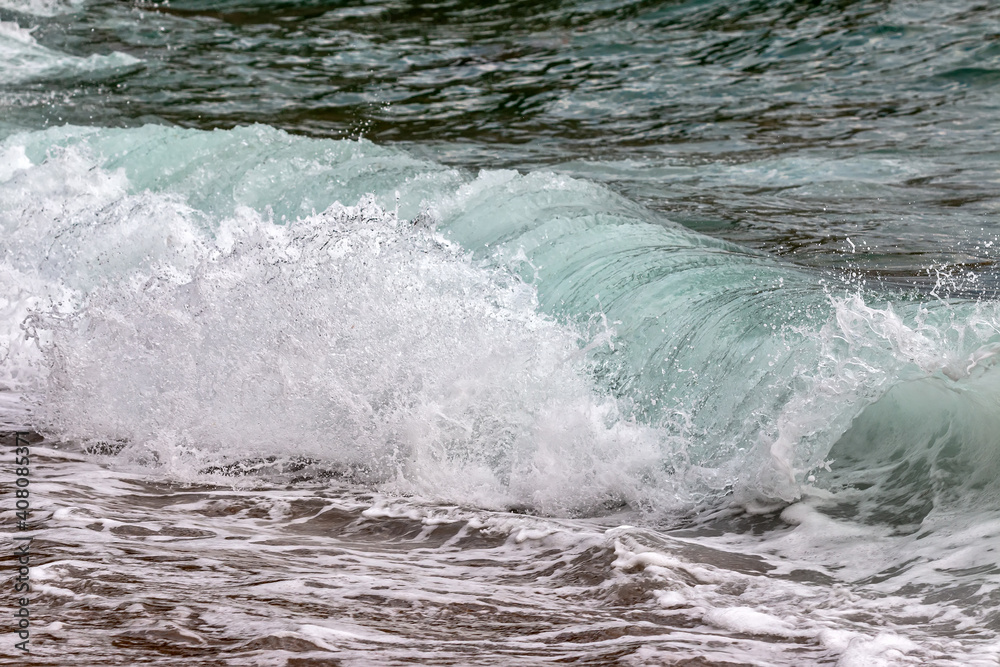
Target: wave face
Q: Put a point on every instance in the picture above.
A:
(515, 340)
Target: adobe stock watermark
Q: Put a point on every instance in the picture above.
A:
(22, 543)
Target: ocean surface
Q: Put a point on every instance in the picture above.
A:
(602, 332)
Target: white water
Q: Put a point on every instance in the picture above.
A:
(156, 314)
(26, 60)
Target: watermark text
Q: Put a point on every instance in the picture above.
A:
(22, 543)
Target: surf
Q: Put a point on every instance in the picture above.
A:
(526, 339)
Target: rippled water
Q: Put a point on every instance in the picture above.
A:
(784, 125)
(593, 332)
(314, 574)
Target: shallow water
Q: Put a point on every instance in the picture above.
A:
(595, 332)
(314, 573)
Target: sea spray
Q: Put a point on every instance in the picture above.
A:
(356, 339)
(586, 355)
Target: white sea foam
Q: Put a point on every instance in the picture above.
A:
(292, 568)
(788, 594)
(47, 8)
(11, 31)
(26, 60)
(350, 337)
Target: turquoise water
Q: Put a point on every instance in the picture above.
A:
(722, 271)
(784, 126)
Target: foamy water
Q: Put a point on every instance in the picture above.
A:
(617, 341)
(374, 399)
(320, 571)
